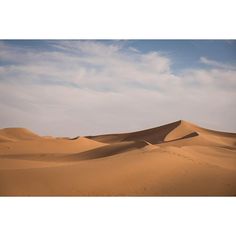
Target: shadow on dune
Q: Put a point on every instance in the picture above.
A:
(153, 135)
(118, 148)
(108, 150)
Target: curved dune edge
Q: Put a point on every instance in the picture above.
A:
(183, 130)
(171, 132)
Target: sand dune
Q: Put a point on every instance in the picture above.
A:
(15, 134)
(177, 159)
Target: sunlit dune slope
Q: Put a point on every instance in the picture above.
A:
(49, 145)
(14, 134)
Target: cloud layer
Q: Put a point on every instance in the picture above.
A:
(90, 87)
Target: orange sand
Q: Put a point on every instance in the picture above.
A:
(177, 159)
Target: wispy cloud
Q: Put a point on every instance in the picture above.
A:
(213, 63)
(87, 87)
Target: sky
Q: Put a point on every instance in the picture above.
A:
(88, 87)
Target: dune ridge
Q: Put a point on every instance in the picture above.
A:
(171, 132)
(176, 159)
(18, 134)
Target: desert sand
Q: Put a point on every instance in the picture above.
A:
(177, 159)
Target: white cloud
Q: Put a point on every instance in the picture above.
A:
(88, 87)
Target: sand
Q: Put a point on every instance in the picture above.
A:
(177, 159)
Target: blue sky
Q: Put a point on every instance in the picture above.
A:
(74, 87)
(184, 53)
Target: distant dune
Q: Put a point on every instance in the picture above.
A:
(177, 159)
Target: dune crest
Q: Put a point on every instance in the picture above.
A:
(166, 133)
(184, 129)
